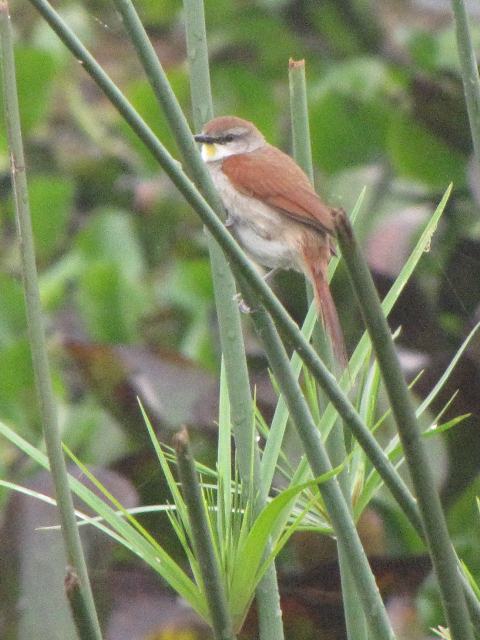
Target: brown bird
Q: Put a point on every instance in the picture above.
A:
(272, 209)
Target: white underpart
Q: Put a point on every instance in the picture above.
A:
(259, 228)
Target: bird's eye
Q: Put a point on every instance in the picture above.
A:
(229, 137)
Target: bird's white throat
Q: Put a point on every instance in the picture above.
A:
(213, 151)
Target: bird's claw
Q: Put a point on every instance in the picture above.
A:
(242, 305)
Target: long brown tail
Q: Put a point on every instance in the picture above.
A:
(328, 311)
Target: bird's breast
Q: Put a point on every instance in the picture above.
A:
(265, 233)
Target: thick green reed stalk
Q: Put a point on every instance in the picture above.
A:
(83, 606)
(414, 447)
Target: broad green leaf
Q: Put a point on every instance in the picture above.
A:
(55, 280)
(12, 309)
(351, 112)
(79, 19)
(189, 285)
(110, 305)
(111, 291)
(157, 14)
(51, 202)
(242, 90)
(110, 236)
(16, 374)
(35, 71)
(348, 131)
(438, 50)
(362, 77)
(257, 31)
(416, 153)
(423, 47)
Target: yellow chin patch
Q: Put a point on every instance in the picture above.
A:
(209, 151)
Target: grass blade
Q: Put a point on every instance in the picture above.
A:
(156, 557)
(446, 374)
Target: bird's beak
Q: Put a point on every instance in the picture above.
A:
(200, 137)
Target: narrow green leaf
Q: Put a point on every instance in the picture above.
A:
(111, 498)
(394, 451)
(158, 559)
(474, 584)
(267, 526)
(363, 348)
(446, 374)
(172, 484)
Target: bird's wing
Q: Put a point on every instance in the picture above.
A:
(273, 177)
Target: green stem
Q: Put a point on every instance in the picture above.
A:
(77, 602)
(319, 462)
(224, 285)
(168, 101)
(354, 616)
(202, 540)
(231, 336)
(197, 53)
(302, 152)
(436, 532)
(303, 156)
(87, 624)
(299, 116)
(470, 76)
(302, 149)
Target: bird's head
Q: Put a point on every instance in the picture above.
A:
(227, 136)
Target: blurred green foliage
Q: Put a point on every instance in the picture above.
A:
(123, 260)
(36, 71)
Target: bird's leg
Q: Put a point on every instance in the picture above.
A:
(229, 222)
(242, 305)
(270, 274)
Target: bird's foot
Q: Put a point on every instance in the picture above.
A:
(270, 275)
(242, 305)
